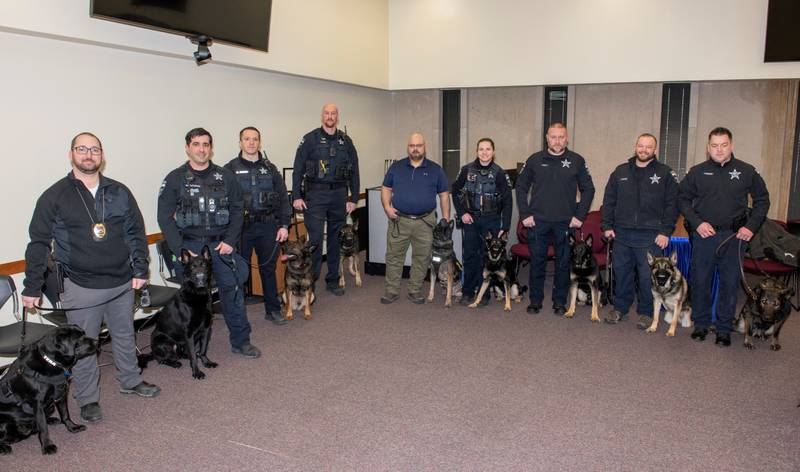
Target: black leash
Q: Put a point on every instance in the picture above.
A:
(84, 307)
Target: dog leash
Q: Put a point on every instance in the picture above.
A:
(84, 307)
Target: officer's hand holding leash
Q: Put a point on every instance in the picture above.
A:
(30, 302)
(299, 204)
(609, 234)
(466, 218)
(662, 241)
(575, 223)
(744, 234)
(224, 248)
(136, 284)
(528, 222)
(350, 207)
(283, 235)
(391, 213)
(705, 230)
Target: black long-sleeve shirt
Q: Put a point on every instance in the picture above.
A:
(503, 187)
(553, 182)
(65, 215)
(170, 195)
(641, 198)
(718, 194)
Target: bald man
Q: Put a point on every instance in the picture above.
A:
(325, 188)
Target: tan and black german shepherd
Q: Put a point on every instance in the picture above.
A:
(584, 277)
(766, 309)
(670, 289)
(444, 264)
(298, 278)
(348, 253)
(495, 270)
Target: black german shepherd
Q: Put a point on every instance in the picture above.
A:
(767, 308)
(36, 384)
(183, 326)
(444, 264)
(584, 277)
(497, 271)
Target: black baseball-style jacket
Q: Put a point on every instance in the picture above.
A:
(553, 182)
(718, 194)
(65, 215)
(641, 198)
(205, 204)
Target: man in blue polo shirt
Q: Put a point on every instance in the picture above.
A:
(408, 196)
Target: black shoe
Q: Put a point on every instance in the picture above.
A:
(276, 317)
(247, 350)
(615, 316)
(484, 301)
(534, 308)
(91, 413)
(144, 389)
(723, 339)
(415, 298)
(466, 301)
(389, 298)
(336, 290)
(559, 309)
(644, 322)
(699, 334)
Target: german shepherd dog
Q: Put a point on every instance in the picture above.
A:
(670, 289)
(348, 253)
(584, 277)
(767, 308)
(36, 384)
(183, 326)
(443, 260)
(298, 289)
(496, 269)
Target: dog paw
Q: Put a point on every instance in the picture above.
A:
(198, 374)
(49, 449)
(75, 428)
(569, 314)
(650, 330)
(429, 300)
(775, 347)
(670, 334)
(289, 317)
(473, 305)
(307, 316)
(358, 283)
(5, 449)
(596, 320)
(210, 365)
(53, 420)
(749, 346)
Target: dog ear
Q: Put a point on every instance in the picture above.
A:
(310, 248)
(571, 240)
(206, 253)
(674, 258)
(504, 236)
(355, 226)
(589, 240)
(185, 256)
(452, 224)
(489, 235)
(650, 258)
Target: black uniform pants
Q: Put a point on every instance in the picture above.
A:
(704, 263)
(261, 238)
(326, 206)
(474, 250)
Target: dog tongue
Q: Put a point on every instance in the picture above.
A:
(284, 258)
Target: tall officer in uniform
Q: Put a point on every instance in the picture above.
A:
(97, 232)
(266, 214)
(713, 198)
(483, 202)
(640, 207)
(326, 165)
(200, 204)
(553, 177)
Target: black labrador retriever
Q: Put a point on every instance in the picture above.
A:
(183, 326)
(37, 383)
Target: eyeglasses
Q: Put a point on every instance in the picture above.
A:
(83, 150)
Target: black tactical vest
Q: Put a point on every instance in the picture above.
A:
(258, 189)
(330, 161)
(203, 203)
(480, 193)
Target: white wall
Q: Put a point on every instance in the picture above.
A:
(477, 43)
(342, 40)
(141, 106)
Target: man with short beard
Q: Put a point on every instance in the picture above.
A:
(640, 207)
(101, 245)
(552, 178)
(408, 195)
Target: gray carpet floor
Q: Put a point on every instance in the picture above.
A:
(365, 386)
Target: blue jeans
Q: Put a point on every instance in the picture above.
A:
(538, 239)
(704, 261)
(475, 249)
(261, 237)
(231, 289)
(630, 260)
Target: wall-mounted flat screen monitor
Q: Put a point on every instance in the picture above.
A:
(239, 22)
(783, 31)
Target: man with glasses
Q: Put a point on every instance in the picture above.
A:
(97, 233)
(200, 204)
(325, 169)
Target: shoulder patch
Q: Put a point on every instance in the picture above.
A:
(302, 141)
(674, 175)
(163, 185)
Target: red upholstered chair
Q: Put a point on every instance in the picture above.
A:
(591, 225)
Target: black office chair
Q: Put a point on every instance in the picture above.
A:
(10, 334)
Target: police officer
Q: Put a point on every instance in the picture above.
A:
(483, 203)
(640, 207)
(200, 204)
(326, 168)
(553, 177)
(713, 198)
(266, 214)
